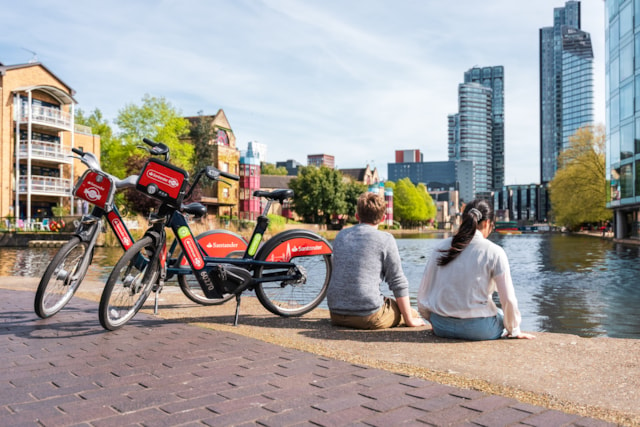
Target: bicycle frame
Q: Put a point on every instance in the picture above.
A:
(144, 267)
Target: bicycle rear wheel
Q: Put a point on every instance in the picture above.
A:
(299, 296)
(61, 278)
(129, 284)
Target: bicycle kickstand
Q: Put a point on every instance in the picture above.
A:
(235, 320)
(157, 293)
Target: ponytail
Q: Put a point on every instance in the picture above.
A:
(474, 213)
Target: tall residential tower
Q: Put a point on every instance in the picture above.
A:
(566, 85)
(493, 77)
(471, 135)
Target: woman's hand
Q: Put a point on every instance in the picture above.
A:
(522, 335)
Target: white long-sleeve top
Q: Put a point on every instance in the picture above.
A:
(464, 287)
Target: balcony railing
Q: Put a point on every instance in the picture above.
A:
(46, 116)
(45, 185)
(45, 150)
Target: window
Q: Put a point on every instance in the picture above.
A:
(637, 138)
(615, 148)
(637, 178)
(626, 61)
(626, 141)
(615, 184)
(614, 74)
(221, 137)
(626, 181)
(626, 20)
(626, 101)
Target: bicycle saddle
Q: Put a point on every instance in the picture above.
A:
(280, 195)
(196, 209)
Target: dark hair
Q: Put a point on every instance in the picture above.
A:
(474, 213)
(371, 208)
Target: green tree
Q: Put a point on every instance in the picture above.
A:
(353, 190)
(412, 205)
(271, 169)
(319, 193)
(578, 190)
(202, 136)
(158, 120)
(430, 205)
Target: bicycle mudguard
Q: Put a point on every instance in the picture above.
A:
(294, 243)
(97, 188)
(218, 244)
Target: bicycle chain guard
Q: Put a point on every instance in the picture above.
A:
(227, 279)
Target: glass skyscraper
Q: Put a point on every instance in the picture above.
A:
(470, 134)
(566, 85)
(493, 77)
(622, 89)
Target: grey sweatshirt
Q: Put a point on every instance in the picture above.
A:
(364, 257)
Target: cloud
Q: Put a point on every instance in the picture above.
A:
(357, 79)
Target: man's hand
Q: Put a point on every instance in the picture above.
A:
(415, 322)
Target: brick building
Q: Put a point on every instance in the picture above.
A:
(37, 132)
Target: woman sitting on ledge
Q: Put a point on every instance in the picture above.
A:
(460, 278)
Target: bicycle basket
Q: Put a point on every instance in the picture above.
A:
(163, 181)
(97, 188)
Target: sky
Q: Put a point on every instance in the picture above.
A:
(356, 79)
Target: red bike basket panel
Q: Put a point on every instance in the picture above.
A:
(97, 188)
(163, 181)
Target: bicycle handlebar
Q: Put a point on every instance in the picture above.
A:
(215, 174)
(157, 148)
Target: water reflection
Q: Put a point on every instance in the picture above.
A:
(570, 284)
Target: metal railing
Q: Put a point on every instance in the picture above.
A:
(46, 116)
(46, 150)
(45, 185)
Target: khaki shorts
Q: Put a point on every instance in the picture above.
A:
(387, 317)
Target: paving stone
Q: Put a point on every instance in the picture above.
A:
(68, 371)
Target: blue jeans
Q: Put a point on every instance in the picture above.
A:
(473, 329)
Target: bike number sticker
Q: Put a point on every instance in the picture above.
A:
(297, 248)
(120, 230)
(190, 247)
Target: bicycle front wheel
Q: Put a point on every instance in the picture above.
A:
(312, 273)
(129, 284)
(61, 278)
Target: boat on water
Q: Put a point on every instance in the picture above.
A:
(512, 227)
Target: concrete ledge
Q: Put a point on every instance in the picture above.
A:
(46, 243)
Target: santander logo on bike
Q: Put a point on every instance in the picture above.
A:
(165, 179)
(92, 194)
(118, 226)
(190, 247)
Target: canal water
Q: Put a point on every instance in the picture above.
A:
(564, 283)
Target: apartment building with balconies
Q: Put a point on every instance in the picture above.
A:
(37, 132)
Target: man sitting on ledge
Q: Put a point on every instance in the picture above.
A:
(363, 257)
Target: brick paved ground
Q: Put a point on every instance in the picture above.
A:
(68, 371)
